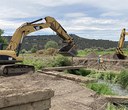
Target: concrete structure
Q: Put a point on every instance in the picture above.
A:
(29, 100)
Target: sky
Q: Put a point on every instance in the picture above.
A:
(92, 19)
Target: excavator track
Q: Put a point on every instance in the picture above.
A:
(15, 69)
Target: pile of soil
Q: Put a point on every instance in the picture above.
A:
(49, 52)
(92, 55)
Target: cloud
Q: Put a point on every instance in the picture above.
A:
(9, 24)
(111, 14)
(76, 16)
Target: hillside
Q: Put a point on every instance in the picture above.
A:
(82, 43)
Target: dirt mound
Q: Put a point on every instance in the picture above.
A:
(49, 51)
(92, 55)
(108, 56)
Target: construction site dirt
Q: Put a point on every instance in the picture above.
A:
(69, 95)
(109, 63)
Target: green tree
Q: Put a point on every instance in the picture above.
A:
(34, 49)
(1, 32)
(51, 44)
(2, 39)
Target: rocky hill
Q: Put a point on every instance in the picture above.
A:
(82, 43)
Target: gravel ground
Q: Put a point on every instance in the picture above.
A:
(69, 95)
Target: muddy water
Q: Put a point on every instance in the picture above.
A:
(116, 88)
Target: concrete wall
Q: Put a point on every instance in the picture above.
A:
(32, 100)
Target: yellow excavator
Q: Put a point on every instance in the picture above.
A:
(119, 52)
(10, 56)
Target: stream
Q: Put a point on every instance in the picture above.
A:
(115, 88)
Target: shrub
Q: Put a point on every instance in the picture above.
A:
(60, 61)
(3, 40)
(34, 49)
(38, 64)
(51, 44)
(23, 51)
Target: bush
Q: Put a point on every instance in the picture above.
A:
(38, 64)
(34, 49)
(60, 61)
(123, 78)
(3, 40)
(23, 51)
(51, 44)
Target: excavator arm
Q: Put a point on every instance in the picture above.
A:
(26, 28)
(119, 52)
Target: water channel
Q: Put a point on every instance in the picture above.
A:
(116, 88)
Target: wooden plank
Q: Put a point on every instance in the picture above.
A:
(63, 68)
(117, 99)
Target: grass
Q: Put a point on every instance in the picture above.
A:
(60, 60)
(99, 52)
(82, 72)
(42, 61)
(100, 88)
(107, 76)
(46, 61)
(123, 79)
(82, 53)
(110, 106)
(38, 64)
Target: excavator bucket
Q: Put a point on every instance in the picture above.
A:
(68, 50)
(119, 56)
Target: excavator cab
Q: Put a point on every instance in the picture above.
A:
(68, 50)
